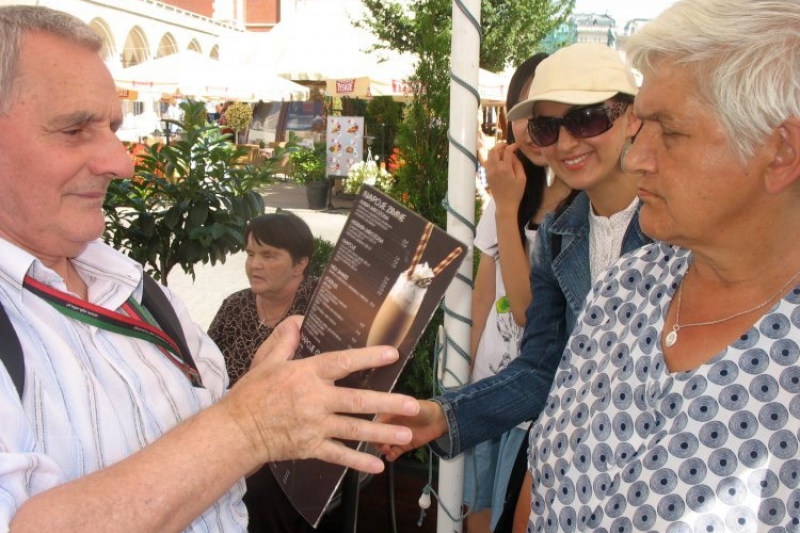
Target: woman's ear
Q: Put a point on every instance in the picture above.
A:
(300, 266)
(784, 168)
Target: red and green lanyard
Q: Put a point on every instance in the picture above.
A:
(137, 323)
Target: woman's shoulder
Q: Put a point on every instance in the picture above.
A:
(655, 259)
(486, 230)
(238, 297)
(310, 283)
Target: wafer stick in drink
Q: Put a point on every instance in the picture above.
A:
(423, 242)
(447, 260)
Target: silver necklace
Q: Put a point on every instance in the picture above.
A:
(672, 337)
(266, 322)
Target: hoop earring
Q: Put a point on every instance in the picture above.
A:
(624, 154)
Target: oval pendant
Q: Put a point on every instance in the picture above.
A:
(672, 338)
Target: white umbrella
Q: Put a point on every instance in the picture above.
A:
(192, 74)
(391, 78)
(311, 46)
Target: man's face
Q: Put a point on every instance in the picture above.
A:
(692, 187)
(58, 150)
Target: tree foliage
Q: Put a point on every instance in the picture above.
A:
(188, 201)
(512, 29)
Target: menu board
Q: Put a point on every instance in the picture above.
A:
(345, 144)
(386, 276)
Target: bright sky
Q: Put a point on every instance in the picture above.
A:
(623, 10)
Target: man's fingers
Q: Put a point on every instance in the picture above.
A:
(335, 452)
(282, 343)
(358, 429)
(367, 402)
(336, 365)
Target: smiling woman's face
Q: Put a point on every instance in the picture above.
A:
(585, 164)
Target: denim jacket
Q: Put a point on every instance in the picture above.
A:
(489, 407)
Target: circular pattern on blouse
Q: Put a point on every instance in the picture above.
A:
(637, 449)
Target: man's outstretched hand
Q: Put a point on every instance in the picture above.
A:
(291, 409)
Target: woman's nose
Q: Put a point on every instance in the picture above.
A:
(565, 139)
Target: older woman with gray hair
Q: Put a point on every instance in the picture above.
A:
(676, 407)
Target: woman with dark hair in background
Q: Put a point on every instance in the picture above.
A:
(279, 250)
(505, 235)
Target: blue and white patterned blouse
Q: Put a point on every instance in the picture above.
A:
(626, 446)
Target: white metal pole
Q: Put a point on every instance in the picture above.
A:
(463, 134)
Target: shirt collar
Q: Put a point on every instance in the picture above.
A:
(625, 214)
(97, 260)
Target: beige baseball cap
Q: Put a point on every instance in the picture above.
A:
(580, 74)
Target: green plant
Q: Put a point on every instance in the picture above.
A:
(510, 30)
(370, 173)
(239, 116)
(308, 164)
(382, 118)
(188, 201)
(322, 254)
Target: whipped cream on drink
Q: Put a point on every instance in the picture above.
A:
(394, 318)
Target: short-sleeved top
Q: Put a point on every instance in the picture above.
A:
(238, 332)
(499, 343)
(625, 445)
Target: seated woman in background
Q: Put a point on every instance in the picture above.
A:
(279, 250)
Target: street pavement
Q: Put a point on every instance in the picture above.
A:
(203, 295)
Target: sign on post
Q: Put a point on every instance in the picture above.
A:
(345, 144)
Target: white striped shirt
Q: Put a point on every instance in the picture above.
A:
(93, 397)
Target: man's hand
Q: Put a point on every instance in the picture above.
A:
(427, 425)
(291, 409)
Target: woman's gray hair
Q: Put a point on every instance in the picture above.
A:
(744, 56)
(16, 21)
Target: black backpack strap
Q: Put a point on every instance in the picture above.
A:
(155, 301)
(11, 352)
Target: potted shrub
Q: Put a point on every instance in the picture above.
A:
(308, 168)
(187, 202)
(238, 117)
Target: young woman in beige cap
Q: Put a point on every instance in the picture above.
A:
(581, 115)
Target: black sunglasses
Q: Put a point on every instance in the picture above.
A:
(581, 123)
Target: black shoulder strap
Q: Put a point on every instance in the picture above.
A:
(11, 352)
(153, 299)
